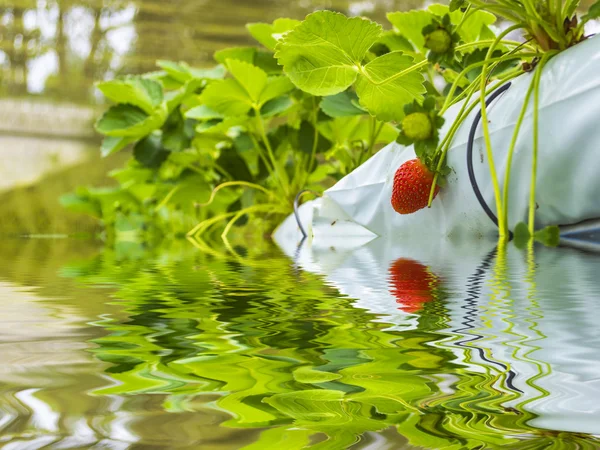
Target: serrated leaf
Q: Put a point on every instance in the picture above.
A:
(141, 92)
(269, 34)
(226, 97)
(322, 54)
(183, 73)
(472, 28)
(276, 106)
(275, 87)
(384, 94)
(149, 152)
(395, 42)
(245, 54)
(203, 112)
(410, 25)
(129, 121)
(343, 104)
(113, 144)
(252, 79)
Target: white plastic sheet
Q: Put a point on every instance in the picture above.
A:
(357, 209)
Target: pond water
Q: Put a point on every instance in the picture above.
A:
(386, 346)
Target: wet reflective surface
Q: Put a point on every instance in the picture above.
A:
(452, 345)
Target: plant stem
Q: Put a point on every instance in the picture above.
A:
(504, 218)
(265, 139)
(486, 130)
(536, 101)
(468, 69)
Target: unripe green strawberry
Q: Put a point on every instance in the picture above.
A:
(412, 185)
(438, 41)
(417, 126)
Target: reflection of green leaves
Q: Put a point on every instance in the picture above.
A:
(146, 94)
(322, 54)
(269, 34)
(385, 93)
(307, 375)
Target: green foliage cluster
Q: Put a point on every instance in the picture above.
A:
(216, 146)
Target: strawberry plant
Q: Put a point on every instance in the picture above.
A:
(241, 139)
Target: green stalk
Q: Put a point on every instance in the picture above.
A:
(504, 218)
(486, 130)
(265, 139)
(536, 102)
(468, 69)
(462, 115)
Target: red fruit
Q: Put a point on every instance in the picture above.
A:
(412, 284)
(412, 184)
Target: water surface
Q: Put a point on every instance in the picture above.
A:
(386, 346)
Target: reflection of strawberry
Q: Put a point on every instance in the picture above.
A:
(412, 284)
(412, 184)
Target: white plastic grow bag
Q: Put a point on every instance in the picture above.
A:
(357, 209)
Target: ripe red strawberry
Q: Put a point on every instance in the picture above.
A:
(413, 284)
(412, 184)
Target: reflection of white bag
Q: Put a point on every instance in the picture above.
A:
(492, 326)
(568, 186)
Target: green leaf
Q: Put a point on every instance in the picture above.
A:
(119, 119)
(472, 27)
(455, 5)
(395, 42)
(410, 25)
(549, 236)
(245, 54)
(269, 34)
(203, 112)
(276, 106)
(226, 97)
(183, 73)
(593, 12)
(252, 79)
(521, 235)
(306, 139)
(113, 144)
(344, 104)
(276, 87)
(322, 54)
(384, 94)
(149, 152)
(174, 136)
(141, 92)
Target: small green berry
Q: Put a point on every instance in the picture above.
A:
(438, 41)
(417, 126)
